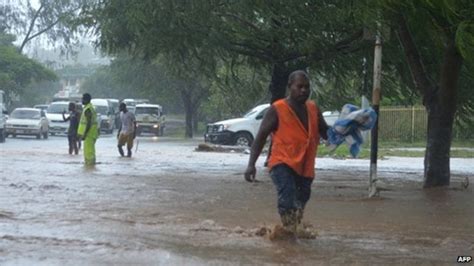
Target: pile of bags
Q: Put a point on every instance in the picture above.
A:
(349, 126)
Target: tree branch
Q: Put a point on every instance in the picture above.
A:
(417, 69)
(249, 51)
(241, 20)
(50, 26)
(45, 29)
(344, 46)
(30, 28)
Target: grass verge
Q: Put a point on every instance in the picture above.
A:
(343, 151)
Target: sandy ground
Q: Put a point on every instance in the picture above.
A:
(170, 205)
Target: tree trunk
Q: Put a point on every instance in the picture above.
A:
(441, 110)
(279, 81)
(195, 122)
(440, 103)
(189, 121)
(189, 113)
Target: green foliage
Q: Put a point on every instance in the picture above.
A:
(17, 72)
(236, 88)
(127, 77)
(400, 149)
(194, 39)
(38, 93)
(433, 23)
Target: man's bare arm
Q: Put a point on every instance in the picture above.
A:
(269, 124)
(323, 126)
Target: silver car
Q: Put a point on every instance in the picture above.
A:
(28, 121)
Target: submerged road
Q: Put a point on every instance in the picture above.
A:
(171, 205)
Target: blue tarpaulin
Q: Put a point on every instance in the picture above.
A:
(349, 126)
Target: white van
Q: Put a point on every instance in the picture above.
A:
(150, 119)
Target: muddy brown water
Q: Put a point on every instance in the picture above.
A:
(169, 205)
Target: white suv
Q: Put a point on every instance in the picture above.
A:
(242, 131)
(238, 131)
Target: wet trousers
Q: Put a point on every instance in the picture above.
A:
(89, 151)
(293, 191)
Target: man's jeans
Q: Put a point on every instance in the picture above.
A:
(293, 190)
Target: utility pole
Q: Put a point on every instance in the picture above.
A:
(373, 191)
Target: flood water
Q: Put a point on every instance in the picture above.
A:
(171, 205)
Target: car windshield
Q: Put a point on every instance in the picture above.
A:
(57, 108)
(103, 110)
(147, 110)
(42, 107)
(251, 112)
(26, 114)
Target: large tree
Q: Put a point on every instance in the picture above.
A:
(194, 36)
(279, 35)
(437, 39)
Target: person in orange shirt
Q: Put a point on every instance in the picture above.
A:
(296, 125)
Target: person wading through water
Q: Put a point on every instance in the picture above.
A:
(126, 132)
(88, 129)
(296, 125)
(73, 119)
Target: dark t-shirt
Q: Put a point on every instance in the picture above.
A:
(73, 123)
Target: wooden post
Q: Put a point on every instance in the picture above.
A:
(373, 191)
(413, 124)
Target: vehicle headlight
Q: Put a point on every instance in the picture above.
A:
(156, 126)
(221, 128)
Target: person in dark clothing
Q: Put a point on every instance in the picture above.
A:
(73, 119)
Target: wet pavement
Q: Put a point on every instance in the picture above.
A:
(171, 205)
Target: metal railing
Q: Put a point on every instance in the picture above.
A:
(409, 124)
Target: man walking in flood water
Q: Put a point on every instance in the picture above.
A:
(88, 129)
(73, 119)
(126, 132)
(296, 125)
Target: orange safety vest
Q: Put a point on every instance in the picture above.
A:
(292, 144)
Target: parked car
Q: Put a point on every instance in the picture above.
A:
(330, 117)
(3, 117)
(242, 131)
(150, 119)
(54, 113)
(237, 131)
(105, 115)
(28, 121)
(43, 107)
